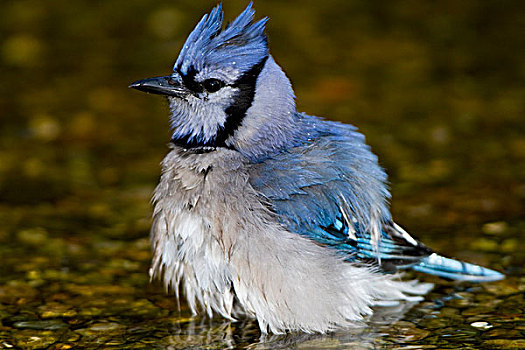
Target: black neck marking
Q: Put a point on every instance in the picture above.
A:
(244, 99)
(191, 142)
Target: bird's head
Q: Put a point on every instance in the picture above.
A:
(226, 90)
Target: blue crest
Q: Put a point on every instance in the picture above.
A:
(240, 45)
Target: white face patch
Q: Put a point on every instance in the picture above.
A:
(214, 106)
(198, 118)
(223, 97)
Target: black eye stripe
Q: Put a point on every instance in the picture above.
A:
(189, 80)
(210, 85)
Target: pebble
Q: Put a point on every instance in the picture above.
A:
(102, 327)
(481, 324)
(31, 339)
(41, 325)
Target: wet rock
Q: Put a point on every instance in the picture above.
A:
(477, 311)
(459, 303)
(494, 228)
(503, 333)
(41, 325)
(408, 331)
(484, 244)
(456, 333)
(70, 337)
(90, 290)
(411, 334)
(139, 346)
(16, 290)
(102, 327)
(504, 344)
(183, 340)
(510, 245)
(90, 311)
(449, 311)
(33, 339)
(33, 236)
(501, 288)
(145, 307)
(481, 325)
(327, 344)
(6, 344)
(62, 346)
(434, 323)
(55, 310)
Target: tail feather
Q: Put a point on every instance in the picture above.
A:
(440, 266)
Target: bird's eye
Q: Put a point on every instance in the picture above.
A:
(212, 85)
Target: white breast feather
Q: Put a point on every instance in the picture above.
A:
(214, 235)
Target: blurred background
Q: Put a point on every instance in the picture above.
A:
(437, 88)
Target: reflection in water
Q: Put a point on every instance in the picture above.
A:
(197, 331)
(245, 334)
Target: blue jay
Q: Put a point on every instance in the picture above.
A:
(266, 212)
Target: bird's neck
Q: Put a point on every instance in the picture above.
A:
(270, 124)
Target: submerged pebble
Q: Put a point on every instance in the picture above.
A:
(481, 324)
(43, 325)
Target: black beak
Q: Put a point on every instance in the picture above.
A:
(170, 85)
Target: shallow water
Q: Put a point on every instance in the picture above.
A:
(438, 88)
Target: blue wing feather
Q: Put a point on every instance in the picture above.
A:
(326, 188)
(308, 184)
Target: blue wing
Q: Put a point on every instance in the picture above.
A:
(395, 249)
(331, 189)
(398, 250)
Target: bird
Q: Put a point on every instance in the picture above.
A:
(265, 212)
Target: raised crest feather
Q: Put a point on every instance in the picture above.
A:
(240, 45)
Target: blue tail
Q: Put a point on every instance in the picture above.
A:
(457, 270)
